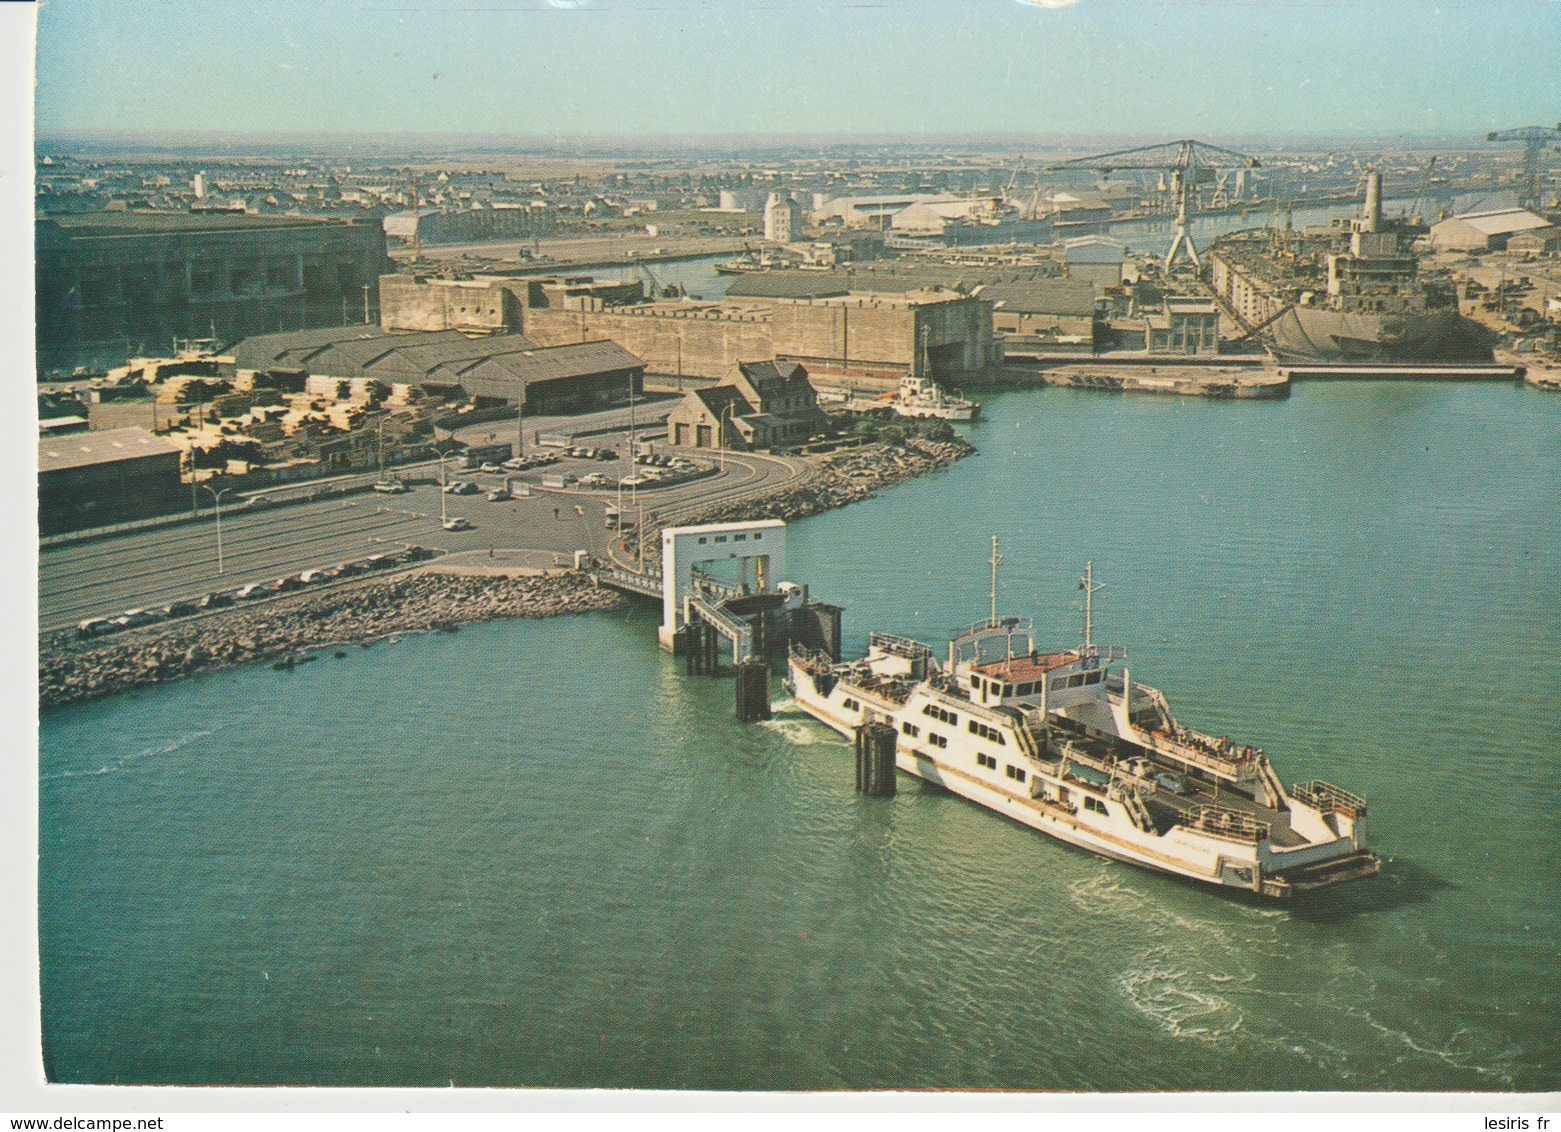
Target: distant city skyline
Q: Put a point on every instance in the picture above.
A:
(627, 68)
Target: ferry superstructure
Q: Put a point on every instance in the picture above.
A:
(1068, 744)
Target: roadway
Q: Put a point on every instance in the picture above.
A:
(147, 568)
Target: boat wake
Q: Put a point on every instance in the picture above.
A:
(125, 761)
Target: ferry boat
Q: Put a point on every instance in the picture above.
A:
(1068, 744)
(922, 397)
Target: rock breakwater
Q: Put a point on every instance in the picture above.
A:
(71, 669)
(847, 478)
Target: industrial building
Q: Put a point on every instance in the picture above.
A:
(115, 284)
(1484, 231)
(943, 333)
(490, 304)
(501, 368)
(1096, 260)
(96, 479)
(760, 405)
(1032, 308)
(473, 306)
(782, 220)
(1187, 325)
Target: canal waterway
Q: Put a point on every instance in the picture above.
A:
(698, 277)
(536, 853)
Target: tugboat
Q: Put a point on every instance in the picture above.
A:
(1067, 743)
(922, 397)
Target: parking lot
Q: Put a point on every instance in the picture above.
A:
(506, 509)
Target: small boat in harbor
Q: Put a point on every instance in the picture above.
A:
(1066, 742)
(921, 397)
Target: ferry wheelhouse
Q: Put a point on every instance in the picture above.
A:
(1068, 744)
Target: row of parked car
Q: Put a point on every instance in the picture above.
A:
(134, 618)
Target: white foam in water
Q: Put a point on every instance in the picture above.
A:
(124, 761)
(1165, 994)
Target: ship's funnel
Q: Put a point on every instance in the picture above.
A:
(1373, 201)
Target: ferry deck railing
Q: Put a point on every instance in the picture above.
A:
(1328, 798)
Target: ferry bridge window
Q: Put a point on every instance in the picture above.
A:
(936, 740)
(986, 761)
(1076, 680)
(703, 540)
(1015, 773)
(739, 538)
(910, 729)
(1095, 804)
(1059, 682)
(850, 704)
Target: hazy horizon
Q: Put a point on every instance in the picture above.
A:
(600, 72)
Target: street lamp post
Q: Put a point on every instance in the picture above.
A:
(216, 506)
(443, 518)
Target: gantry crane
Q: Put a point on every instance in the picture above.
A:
(1189, 162)
(1534, 139)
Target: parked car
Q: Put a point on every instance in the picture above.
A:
(180, 608)
(215, 601)
(309, 577)
(253, 589)
(606, 454)
(516, 463)
(130, 618)
(593, 479)
(419, 553)
(96, 626)
(390, 487)
(465, 487)
(457, 524)
(492, 469)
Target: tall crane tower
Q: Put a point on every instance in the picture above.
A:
(1534, 139)
(1189, 162)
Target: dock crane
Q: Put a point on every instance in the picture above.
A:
(1189, 162)
(1413, 215)
(1534, 139)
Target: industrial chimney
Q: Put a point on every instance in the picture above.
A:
(1373, 201)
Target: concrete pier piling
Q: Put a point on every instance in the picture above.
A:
(753, 691)
(875, 769)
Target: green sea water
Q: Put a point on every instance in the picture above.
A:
(536, 853)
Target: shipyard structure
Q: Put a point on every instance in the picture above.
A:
(1351, 292)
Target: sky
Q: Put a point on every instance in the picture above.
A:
(620, 68)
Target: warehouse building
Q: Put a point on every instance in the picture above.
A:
(568, 377)
(112, 285)
(1484, 231)
(96, 479)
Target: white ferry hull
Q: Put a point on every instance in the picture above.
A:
(1044, 802)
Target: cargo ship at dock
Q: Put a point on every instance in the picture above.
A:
(1068, 744)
